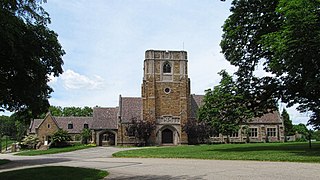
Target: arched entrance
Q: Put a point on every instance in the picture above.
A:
(107, 138)
(167, 136)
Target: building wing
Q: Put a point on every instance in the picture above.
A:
(130, 107)
(105, 118)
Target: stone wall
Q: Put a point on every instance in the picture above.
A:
(262, 135)
(166, 95)
(47, 128)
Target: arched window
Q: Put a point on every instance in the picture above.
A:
(166, 67)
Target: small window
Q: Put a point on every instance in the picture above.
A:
(70, 126)
(49, 126)
(253, 132)
(271, 132)
(86, 126)
(215, 135)
(234, 134)
(166, 67)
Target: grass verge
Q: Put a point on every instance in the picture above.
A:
(9, 143)
(4, 161)
(292, 152)
(53, 150)
(54, 173)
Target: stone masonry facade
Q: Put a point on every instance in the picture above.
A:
(166, 101)
(166, 93)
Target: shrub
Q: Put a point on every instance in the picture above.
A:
(85, 134)
(142, 130)
(198, 132)
(61, 138)
(30, 141)
(77, 137)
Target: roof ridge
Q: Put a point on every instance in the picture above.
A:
(72, 116)
(106, 107)
(131, 97)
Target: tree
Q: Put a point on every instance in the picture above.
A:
(77, 111)
(61, 138)
(225, 107)
(316, 135)
(29, 53)
(69, 111)
(301, 129)
(20, 121)
(7, 126)
(55, 111)
(85, 134)
(142, 130)
(284, 37)
(288, 127)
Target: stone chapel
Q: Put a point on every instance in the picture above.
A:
(165, 99)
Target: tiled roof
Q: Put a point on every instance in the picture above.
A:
(105, 118)
(131, 107)
(34, 124)
(77, 122)
(272, 117)
(196, 103)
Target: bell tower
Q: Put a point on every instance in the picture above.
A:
(166, 94)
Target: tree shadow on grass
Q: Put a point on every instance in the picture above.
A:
(31, 162)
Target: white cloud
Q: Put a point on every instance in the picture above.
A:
(108, 38)
(52, 80)
(72, 80)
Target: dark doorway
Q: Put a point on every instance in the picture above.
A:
(167, 136)
(48, 139)
(107, 139)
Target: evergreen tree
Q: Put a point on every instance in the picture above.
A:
(288, 127)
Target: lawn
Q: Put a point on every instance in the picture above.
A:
(53, 150)
(9, 143)
(292, 152)
(54, 173)
(4, 161)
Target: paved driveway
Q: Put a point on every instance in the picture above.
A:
(142, 168)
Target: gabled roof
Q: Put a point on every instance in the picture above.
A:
(196, 102)
(39, 122)
(105, 118)
(34, 124)
(77, 122)
(130, 107)
(62, 122)
(272, 117)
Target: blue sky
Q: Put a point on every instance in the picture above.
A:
(105, 41)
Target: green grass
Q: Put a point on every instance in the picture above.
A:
(54, 173)
(9, 143)
(4, 161)
(53, 150)
(292, 152)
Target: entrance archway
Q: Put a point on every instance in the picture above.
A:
(107, 138)
(167, 136)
